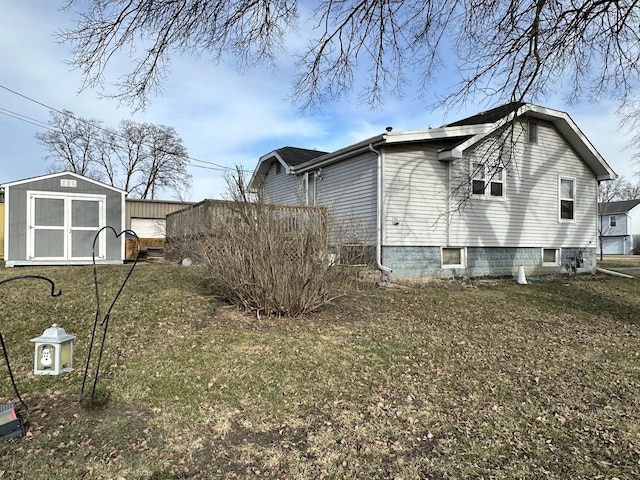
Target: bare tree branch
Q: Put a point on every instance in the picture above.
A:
(140, 158)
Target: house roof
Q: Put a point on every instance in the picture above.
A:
(289, 157)
(459, 135)
(295, 156)
(488, 116)
(606, 208)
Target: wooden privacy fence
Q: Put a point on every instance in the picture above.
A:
(211, 219)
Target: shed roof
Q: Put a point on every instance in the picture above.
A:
(60, 174)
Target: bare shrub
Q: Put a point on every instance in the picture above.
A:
(269, 259)
(636, 245)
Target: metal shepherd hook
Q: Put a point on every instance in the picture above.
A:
(4, 347)
(104, 321)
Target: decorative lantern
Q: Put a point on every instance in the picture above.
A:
(53, 351)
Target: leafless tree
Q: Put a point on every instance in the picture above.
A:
(165, 162)
(502, 51)
(629, 191)
(74, 144)
(140, 158)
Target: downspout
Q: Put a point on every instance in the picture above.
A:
(629, 226)
(448, 213)
(385, 272)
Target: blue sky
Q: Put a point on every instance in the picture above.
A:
(223, 117)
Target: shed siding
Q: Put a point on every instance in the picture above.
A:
(415, 198)
(529, 214)
(1, 231)
(281, 188)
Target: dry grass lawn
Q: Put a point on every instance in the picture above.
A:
(484, 379)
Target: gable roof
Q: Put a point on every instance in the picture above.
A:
(488, 116)
(294, 156)
(288, 157)
(623, 206)
(460, 136)
(60, 174)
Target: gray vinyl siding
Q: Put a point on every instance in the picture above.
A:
(282, 188)
(528, 216)
(415, 197)
(348, 190)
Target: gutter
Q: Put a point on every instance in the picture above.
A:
(385, 271)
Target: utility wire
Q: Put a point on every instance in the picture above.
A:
(24, 118)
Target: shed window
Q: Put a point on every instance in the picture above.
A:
(613, 220)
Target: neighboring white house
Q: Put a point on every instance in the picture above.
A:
(619, 227)
(515, 185)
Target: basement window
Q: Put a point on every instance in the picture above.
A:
(453, 257)
(550, 257)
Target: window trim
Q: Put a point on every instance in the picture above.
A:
(561, 199)
(488, 180)
(311, 200)
(463, 257)
(556, 262)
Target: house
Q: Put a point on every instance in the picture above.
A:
(619, 227)
(511, 186)
(53, 220)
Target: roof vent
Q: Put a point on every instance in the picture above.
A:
(388, 129)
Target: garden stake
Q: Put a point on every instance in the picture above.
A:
(4, 347)
(104, 323)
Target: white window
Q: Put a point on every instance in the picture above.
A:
(532, 131)
(487, 180)
(551, 256)
(567, 199)
(311, 189)
(453, 257)
(613, 221)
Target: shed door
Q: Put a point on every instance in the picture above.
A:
(63, 227)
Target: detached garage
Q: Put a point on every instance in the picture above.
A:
(53, 219)
(147, 218)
